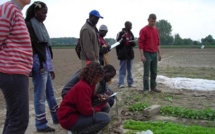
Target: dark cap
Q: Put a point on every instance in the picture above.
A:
(96, 13)
(153, 16)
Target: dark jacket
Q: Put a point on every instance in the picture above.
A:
(123, 51)
(71, 83)
(101, 88)
(39, 47)
(75, 79)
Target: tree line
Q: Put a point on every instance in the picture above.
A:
(66, 41)
(166, 37)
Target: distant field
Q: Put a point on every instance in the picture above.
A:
(167, 46)
(63, 47)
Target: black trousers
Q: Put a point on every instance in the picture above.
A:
(15, 90)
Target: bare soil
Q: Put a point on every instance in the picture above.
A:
(198, 63)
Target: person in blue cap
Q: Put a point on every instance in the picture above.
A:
(89, 39)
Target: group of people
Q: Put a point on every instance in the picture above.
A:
(25, 51)
(148, 43)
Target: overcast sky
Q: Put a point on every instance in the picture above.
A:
(193, 19)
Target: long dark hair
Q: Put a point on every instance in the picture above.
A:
(34, 7)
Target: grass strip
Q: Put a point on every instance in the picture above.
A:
(160, 127)
(206, 114)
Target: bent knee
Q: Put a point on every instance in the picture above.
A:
(106, 118)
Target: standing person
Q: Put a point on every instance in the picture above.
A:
(42, 72)
(125, 54)
(104, 47)
(89, 39)
(15, 65)
(76, 112)
(149, 46)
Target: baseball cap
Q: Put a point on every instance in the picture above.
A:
(103, 27)
(95, 13)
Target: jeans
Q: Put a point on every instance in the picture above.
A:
(92, 124)
(15, 90)
(150, 66)
(125, 65)
(43, 90)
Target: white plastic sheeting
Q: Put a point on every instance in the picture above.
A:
(187, 83)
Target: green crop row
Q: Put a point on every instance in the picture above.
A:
(138, 107)
(160, 127)
(206, 114)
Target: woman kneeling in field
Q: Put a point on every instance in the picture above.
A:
(76, 112)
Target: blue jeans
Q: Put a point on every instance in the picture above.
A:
(15, 90)
(43, 90)
(92, 124)
(125, 65)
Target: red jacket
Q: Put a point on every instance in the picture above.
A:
(77, 102)
(149, 39)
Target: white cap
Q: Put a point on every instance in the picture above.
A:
(103, 27)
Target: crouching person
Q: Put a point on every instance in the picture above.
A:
(76, 112)
(101, 88)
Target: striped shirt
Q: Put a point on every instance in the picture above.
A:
(15, 44)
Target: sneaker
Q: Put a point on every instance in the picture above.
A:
(47, 129)
(156, 90)
(132, 86)
(121, 86)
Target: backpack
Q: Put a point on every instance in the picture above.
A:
(78, 49)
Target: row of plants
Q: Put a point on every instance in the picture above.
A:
(161, 127)
(138, 107)
(206, 114)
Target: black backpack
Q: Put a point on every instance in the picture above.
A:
(78, 49)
